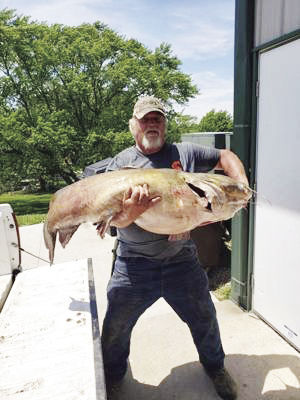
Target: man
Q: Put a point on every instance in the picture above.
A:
(149, 266)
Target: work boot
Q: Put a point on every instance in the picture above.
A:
(113, 384)
(113, 380)
(224, 384)
(113, 388)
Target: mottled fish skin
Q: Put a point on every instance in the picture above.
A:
(188, 200)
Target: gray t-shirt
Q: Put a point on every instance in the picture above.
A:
(135, 241)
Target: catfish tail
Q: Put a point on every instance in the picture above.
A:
(50, 239)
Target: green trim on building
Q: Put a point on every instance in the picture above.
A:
(240, 141)
(288, 37)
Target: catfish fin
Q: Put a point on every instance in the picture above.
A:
(66, 234)
(102, 226)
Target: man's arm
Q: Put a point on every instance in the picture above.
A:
(232, 166)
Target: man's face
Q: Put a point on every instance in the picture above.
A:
(149, 132)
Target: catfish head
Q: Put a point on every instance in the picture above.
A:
(222, 195)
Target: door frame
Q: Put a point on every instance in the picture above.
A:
(295, 35)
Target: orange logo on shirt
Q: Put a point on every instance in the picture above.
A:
(177, 165)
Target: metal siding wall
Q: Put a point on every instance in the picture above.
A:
(202, 139)
(291, 16)
(274, 18)
(220, 140)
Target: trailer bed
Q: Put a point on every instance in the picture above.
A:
(49, 336)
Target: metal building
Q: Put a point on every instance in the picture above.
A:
(266, 238)
(220, 140)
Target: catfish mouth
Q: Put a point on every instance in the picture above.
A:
(201, 193)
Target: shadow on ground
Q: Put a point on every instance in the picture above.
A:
(189, 381)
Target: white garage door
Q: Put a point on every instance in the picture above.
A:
(276, 293)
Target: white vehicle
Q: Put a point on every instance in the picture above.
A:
(10, 253)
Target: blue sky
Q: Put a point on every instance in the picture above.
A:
(200, 32)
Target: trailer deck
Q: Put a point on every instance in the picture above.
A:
(50, 340)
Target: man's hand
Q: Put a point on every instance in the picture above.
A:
(136, 200)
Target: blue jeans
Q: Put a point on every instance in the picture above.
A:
(135, 285)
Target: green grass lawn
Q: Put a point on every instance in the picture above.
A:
(29, 208)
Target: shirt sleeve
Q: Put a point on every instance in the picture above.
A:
(114, 164)
(197, 158)
(120, 160)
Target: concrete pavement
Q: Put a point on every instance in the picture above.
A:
(163, 359)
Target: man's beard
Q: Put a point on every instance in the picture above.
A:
(152, 143)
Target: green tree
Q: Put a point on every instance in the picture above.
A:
(66, 94)
(216, 121)
(186, 123)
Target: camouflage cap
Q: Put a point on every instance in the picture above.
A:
(146, 104)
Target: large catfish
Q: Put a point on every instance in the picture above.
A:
(188, 200)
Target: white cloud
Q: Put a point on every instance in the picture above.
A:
(215, 92)
(67, 12)
(120, 17)
(202, 43)
(202, 29)
(192, 33)
(196, 30)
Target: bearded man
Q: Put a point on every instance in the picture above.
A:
(149, 266)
